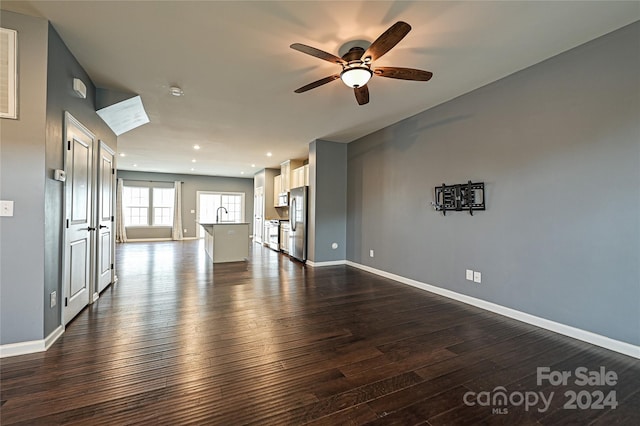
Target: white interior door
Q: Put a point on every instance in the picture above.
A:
(78, 212)
(258, 210)
(105, 231)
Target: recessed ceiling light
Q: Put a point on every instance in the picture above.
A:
(196, 147)
(135, 165)
(253, 165)
(269, 154)
(193, 161)
(192, 169)
(241, 173)
(122, 154)
(176, 91)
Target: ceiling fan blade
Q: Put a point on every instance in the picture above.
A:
(362, 94)
(387, 40)
(317, 53)
(318, 83)
(403, 73)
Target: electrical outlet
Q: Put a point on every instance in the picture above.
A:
(54, 298)
(184, 231)
(477, 277)
(469, 275)
(370, 253)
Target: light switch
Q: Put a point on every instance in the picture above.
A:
(469, 275)
(6, 208)
(193, 211)
(477, 277)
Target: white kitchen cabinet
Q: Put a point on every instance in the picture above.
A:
(298, 177)
(284, 236)
(265, 235)
(285, 176)
(277, 189)
(286, 173)
(226, 242)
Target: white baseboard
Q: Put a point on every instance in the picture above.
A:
(148, 240)
(567, 330)
(189, 238)
(328, 263)
(23, 348)
(51, 338)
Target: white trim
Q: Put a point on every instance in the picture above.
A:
(12, 74)
(33, 346)
(147, 240)
(328, 263)
(567, 330)
(148, 226)
(21, 348)
(51, 338)
(95, 297)
(191, 238)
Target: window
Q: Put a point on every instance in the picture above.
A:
(136, 205)
(210, 202)
(163, 206)
(233, 204)
(147, 206)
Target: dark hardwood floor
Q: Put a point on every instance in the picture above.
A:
(180, 341)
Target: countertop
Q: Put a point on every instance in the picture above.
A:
(223, 223)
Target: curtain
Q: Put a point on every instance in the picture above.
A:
(121, 230)
(176, 231)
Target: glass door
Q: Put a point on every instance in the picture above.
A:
(227, 207)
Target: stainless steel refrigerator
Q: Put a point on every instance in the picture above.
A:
(298, 223)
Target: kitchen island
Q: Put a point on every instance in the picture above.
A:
(226, 242)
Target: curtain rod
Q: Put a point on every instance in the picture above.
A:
(150, 181)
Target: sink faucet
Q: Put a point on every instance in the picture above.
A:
(218, 213)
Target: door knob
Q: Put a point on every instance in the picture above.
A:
(91, 229)
(103, 226)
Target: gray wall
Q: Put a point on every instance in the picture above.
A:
(558, 146)
(22, 179)
(192, 183)
(327, 201)
(32, 147)
(62, 68)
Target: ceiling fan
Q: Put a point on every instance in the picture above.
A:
(356, 63)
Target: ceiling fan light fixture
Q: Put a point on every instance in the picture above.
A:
(356, 76)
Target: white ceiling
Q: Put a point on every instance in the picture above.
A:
(233, 61)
